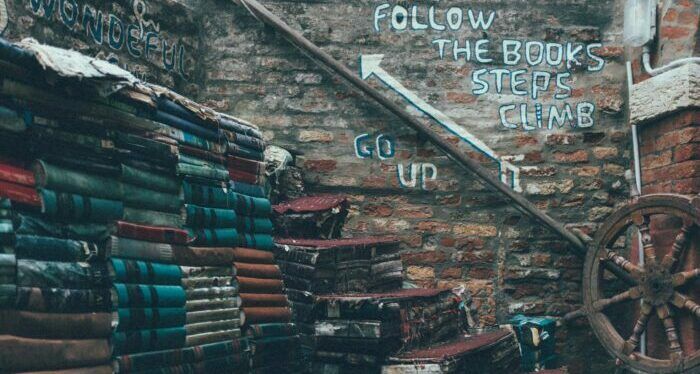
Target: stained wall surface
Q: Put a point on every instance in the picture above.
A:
(497, 104)
(158, 40)
(456, 232)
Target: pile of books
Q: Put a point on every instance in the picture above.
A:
(489, 353)
(120, 199)
(311, 217)
(358, 332)
(266, 313)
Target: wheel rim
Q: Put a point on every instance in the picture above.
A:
(661, 290)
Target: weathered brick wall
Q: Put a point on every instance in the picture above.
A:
(157, 40)
(456, 232)
(670, 149)
(670, 143)
(679, 30)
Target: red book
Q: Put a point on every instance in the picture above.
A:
(19, 193)
(242, 164)
(258, 285)
(312, 204)
(151, 233)
(265, 271)
(244, 177)
(204, 155)
(17, 175)
(265, 315)
(253, 256)
(264, 300)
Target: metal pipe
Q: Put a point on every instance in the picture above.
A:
(672, 65)
(638, 184)
(635, 138)
(318, 55)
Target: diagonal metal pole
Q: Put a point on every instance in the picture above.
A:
(327, 61)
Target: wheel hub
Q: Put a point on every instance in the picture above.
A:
(656, 284)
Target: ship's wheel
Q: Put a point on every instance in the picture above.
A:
(663, 294)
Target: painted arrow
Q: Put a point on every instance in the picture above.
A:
(369, 66)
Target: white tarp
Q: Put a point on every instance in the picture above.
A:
(71, 64)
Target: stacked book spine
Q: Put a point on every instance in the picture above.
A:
(266, 312)
(317, 267)
(55, 299)
(493, 352)
(357, 332)
(61, 310)
(122, 205)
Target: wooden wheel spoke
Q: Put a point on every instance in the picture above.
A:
(674, 346)
(680, 244)
(621, 288)
(633, 293)
(622, 262)
(639, 327)
(680, 279)
(642, 223)
(682, 301)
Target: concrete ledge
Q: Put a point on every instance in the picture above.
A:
(664, 94)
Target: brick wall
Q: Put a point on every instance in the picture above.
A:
(98, 28)
(678, 30)
(457, 232)
(669, 145)
(670, 150)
